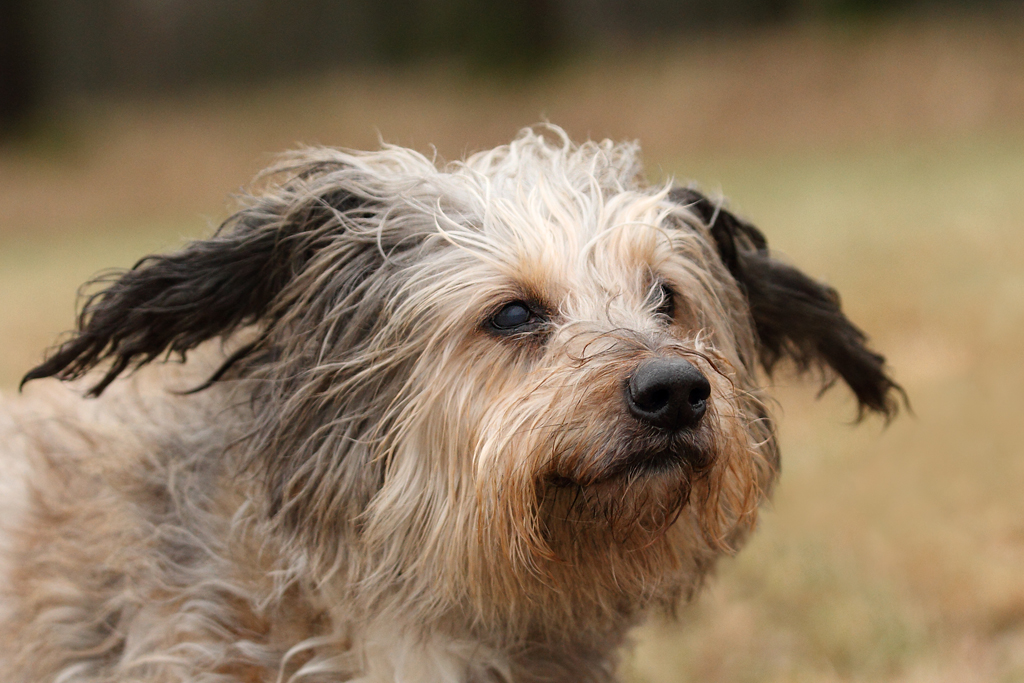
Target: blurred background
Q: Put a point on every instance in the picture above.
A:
(879, 145)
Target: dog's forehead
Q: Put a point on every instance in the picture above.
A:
(578, 228)
(570, 258)
(613, 242)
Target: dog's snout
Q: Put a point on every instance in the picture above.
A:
(670, 394)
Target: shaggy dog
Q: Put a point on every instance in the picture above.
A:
(468, 423)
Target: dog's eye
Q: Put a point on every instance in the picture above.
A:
(667, 301)
(515, 316)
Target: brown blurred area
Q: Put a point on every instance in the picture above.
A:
(881, 151)
(793, 89)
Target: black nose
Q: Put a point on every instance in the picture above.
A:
(670, 394)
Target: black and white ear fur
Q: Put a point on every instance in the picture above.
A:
(169, 304)
(795, 316)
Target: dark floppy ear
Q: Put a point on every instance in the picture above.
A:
(169, 304)
(795, 316)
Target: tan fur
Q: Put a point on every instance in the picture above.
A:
(384, 497)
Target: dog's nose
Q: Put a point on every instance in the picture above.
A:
(670, 394)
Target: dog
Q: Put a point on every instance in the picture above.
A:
(458, 423)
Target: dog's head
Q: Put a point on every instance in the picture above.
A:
(525, 381)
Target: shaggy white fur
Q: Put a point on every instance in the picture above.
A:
(459, 423)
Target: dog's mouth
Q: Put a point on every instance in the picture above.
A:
(626, 467)
(633, 497)
(690, 460)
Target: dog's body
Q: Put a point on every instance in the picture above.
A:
(467, 424)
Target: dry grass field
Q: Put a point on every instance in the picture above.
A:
(887, 160)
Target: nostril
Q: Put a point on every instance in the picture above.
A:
(670, 394)
(652, 397)
(700, 393)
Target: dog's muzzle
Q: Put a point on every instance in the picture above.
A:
(669, 394)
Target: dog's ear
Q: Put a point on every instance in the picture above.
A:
(169, 304)
(795, 316)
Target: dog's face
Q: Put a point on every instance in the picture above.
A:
(525, 384)
(580, 407)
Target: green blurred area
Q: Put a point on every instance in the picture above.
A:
(888, 554)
